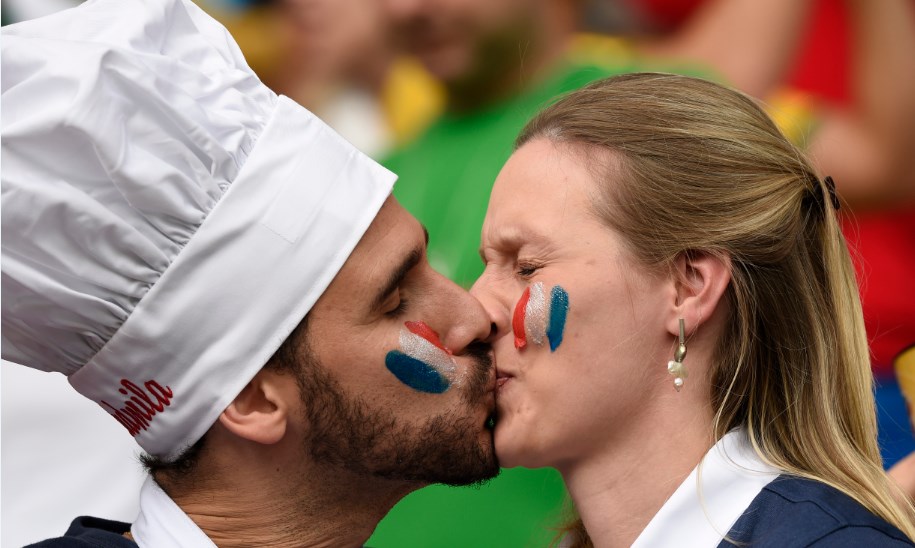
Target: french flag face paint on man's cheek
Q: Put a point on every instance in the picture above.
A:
(423, 363)
(539, 317)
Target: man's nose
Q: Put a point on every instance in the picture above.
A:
(463, 317)
(497, 311)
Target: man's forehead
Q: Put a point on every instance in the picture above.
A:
(392, 229)
(392, 240)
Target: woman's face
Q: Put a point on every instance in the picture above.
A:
(575, 389)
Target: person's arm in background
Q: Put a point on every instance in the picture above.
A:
(869, 147)
(751, 44)
(903, 474)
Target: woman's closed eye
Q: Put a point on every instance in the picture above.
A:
(526, 269)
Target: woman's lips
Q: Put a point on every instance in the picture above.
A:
(501, 378)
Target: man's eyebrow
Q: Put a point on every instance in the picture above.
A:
(397, 277)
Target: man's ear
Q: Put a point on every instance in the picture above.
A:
(261, 412)
(700, 280)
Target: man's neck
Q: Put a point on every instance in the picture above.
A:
(322, 507)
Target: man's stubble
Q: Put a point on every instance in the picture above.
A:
(347, 431)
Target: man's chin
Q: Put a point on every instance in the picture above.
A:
(478, 477)
(475, 465)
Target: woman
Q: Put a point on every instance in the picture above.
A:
(671, 287)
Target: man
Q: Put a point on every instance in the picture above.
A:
(231, 282)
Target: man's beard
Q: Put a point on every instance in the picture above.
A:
(348, 432)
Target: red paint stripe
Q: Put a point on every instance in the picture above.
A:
(426, 332)
(518, 319)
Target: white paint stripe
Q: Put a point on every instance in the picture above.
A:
(535, 315)
(417, 347)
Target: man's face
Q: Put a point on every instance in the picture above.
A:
(465, 41)
(378, 399)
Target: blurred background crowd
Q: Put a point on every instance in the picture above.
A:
(437, 91)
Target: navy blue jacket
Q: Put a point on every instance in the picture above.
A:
(89, 532)
(795, 512)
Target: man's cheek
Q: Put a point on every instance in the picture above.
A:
(422, 362)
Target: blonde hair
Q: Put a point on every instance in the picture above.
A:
(704, 169)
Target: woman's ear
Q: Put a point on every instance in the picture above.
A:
(701, 279)
(261, 412)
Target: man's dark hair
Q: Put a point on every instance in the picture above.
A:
(180, 467)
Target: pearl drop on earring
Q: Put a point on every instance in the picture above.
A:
(675, 367)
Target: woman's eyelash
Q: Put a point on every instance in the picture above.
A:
(527, 269)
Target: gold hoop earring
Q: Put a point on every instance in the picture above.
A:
(675, 367)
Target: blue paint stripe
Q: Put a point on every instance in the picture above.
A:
(415, 373)
(559, 308)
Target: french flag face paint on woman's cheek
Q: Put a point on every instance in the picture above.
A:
(518, 319)
(559, 311)
(423, 363)
(539, 317)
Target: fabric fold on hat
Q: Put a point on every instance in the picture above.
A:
(167, 219)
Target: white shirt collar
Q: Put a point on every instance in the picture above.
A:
(162, 522)
(731, 475)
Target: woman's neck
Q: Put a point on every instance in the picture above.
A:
(618, 489)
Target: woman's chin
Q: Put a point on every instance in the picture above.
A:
(505, 447)
(510, 452)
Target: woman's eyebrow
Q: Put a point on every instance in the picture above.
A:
(513, 239)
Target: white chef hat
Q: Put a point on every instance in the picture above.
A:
(167, 219)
